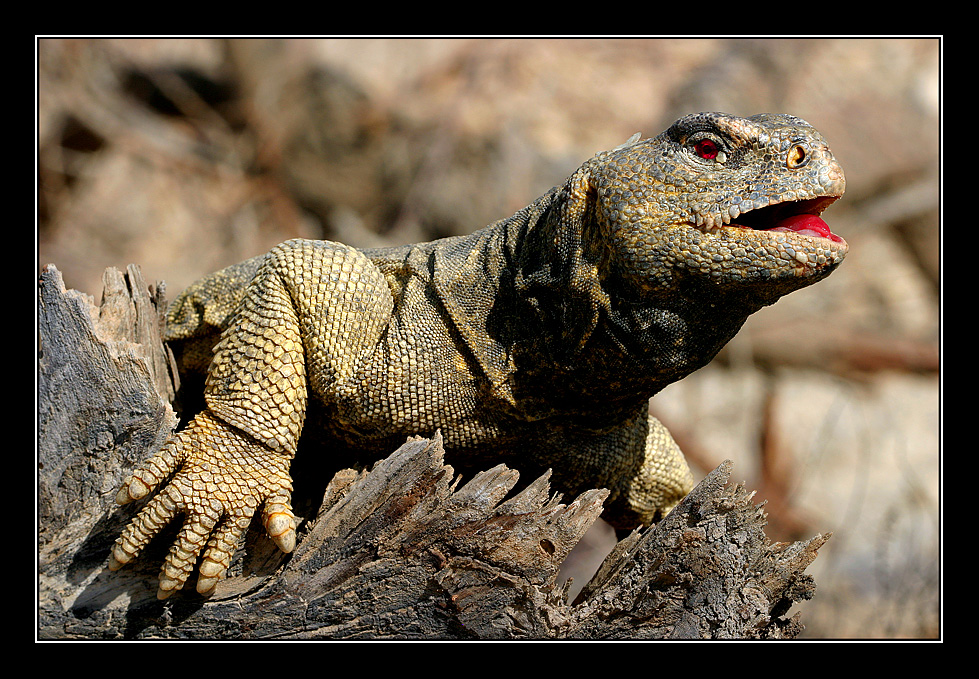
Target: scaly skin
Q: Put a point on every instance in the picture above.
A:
(536, 341)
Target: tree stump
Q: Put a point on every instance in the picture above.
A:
(404, 550)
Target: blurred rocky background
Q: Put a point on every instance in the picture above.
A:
(186, 155)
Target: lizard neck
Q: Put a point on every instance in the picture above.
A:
(558, 327)
(582, 331)
(633, 348)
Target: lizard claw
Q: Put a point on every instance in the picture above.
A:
(280, 523)
(222, 476)
(133, 489)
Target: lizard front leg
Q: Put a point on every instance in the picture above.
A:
(235, 455)
(663, 479)
(638, 461)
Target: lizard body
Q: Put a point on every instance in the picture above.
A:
(537, 340)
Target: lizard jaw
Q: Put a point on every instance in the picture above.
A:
(793, 216)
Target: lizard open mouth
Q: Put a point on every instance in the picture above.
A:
(798, 216)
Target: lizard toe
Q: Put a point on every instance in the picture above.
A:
(150, 520)
(150, 473)
(220, 548)
(182, 557)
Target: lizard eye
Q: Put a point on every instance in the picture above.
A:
(709, 150)
(705, 148)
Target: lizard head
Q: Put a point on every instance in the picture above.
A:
(675, 240)
(735, 200)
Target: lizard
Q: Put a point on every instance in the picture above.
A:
(537, 340)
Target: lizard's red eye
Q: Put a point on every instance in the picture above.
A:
(707, 149)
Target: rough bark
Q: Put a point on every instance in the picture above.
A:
(405, 550)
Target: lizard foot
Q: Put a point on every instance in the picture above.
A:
(222, 477)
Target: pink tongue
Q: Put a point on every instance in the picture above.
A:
(808, 225)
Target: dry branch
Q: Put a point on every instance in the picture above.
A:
(404, 550)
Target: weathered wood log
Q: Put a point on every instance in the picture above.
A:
(405, 550)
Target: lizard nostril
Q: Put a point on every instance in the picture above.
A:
(798, 156)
